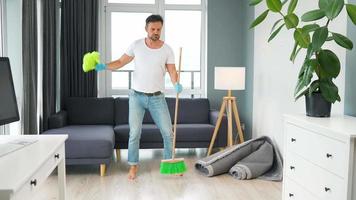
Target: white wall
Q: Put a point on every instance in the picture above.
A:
(275, 76)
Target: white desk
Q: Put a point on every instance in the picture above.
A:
(23, 170)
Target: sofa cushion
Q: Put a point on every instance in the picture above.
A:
(87, 141)
(191, 111)
(185, 133)
(90, 111)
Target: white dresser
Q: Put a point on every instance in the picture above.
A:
(24, 170)
(319, 159)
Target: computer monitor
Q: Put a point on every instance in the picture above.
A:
(8, 104)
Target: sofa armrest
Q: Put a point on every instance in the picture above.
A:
(222, 133)
(57, 120)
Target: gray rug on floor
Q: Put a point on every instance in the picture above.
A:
(256, 158)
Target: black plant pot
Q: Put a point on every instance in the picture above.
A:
(316, 105)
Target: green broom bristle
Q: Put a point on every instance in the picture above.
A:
(173, 167)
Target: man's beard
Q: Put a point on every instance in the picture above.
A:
(154, 37)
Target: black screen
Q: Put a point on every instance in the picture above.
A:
(8, 106)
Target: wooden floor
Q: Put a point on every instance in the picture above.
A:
(84, 182)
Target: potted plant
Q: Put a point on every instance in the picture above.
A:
(321, 66)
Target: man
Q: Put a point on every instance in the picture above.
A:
(152, 59)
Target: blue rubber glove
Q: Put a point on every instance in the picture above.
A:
(100, 66)
(178, 87)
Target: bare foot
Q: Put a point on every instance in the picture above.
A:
(132, 172)
(178, 174)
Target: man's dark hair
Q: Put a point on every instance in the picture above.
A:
(154, 18)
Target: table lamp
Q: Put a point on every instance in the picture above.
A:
(228, 78)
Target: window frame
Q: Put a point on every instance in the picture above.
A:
(2, 28)
(105, 78)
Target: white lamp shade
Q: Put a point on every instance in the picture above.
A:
(229, 78)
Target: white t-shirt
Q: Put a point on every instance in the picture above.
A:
(150, 66)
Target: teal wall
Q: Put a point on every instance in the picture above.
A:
(350, 80)
(230, 44)
(247, 57)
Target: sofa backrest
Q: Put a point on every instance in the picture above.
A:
(191, 111)
(90, 111)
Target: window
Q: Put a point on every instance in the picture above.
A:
(133, 1)
(184, 26)
(186, 2)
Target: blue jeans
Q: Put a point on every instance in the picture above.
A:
(157, 106)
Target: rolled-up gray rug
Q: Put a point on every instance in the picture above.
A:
(255, 164)
(221, 162)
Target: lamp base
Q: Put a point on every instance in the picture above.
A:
(229, 103)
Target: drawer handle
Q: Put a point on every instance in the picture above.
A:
(33, 182)
(292, 167)
(328, 155)
(293, 140)
(327, 189)
(56, 156)
(291, 195)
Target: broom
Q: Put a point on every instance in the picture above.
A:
(174, 165)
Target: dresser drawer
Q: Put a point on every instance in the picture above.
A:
(325, 152)
(40, 175)
(321, 183)
(293, 191)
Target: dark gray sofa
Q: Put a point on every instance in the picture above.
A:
(96, 126)
(195, 125)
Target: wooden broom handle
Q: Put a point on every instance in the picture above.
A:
(176, 108)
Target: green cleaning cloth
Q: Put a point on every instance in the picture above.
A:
(90, 60)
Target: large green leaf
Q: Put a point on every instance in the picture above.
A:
(275, 25)
(259, 19)
(343, 41)
(254, 2)
(309, 52)
(301, 80)
(292, 6)
(329, 63)
(319, 37)
(323, 4)
(313, 15)
(329, 90)
(292, 55)
(295, 52)
(302, 37)
(310, 27)
(308, 71)
(275, 33)
(334, 8)
(291, 20)
(298, 87)
(329, 38)
(314, 86)
(319, 72)
(301, 94)
(302, 69)
(274, 5)
(351, 11)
